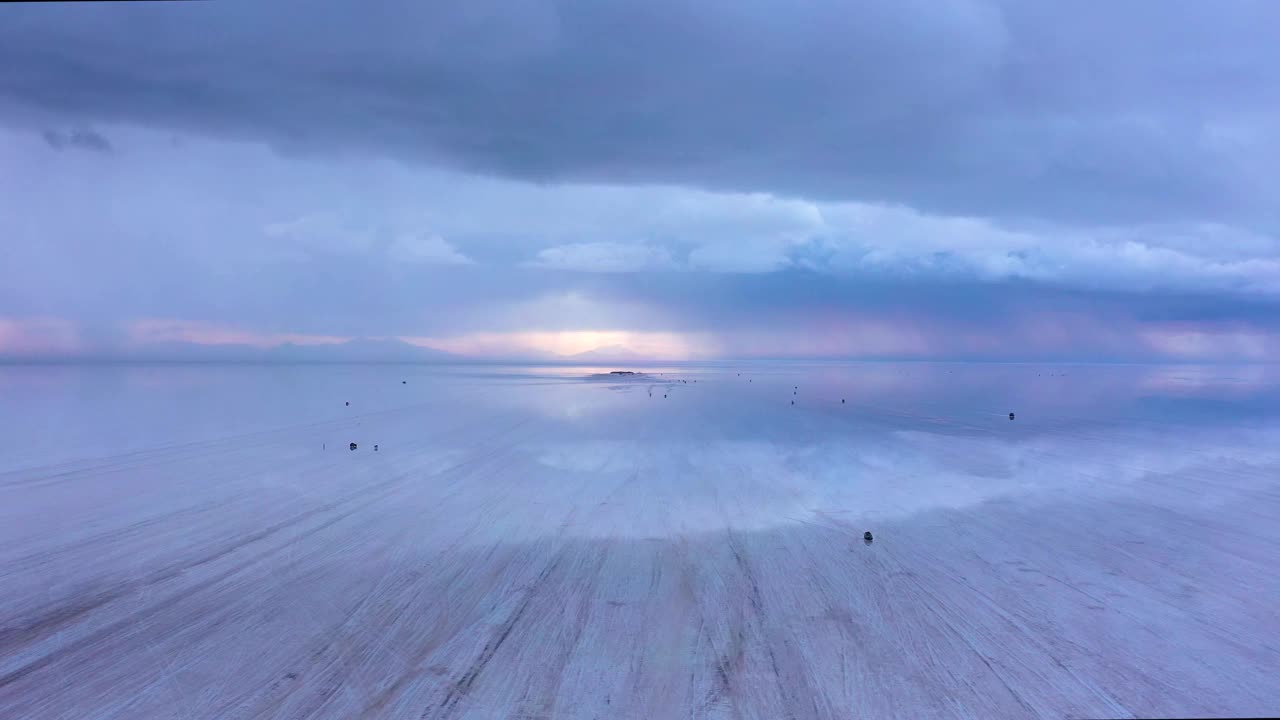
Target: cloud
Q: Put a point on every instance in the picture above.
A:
(153, 331)
(322, 232)
(756, 255)
(34, 337)
(422, 248)
(1134, 113)
(604, 257)
(82, 138)
(334, 233)
(717, 180)
(229, 234)
(898, 241)
(1197, 342)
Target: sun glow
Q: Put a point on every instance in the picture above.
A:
(567, 343)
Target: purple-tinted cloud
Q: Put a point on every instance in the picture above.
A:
(865, 180)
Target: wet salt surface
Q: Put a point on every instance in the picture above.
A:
(174, 542)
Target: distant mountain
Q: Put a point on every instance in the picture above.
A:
(362, 350)
(609, 353)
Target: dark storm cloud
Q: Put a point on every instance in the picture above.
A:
(82, 138)
(775, 299)
(1084, 113)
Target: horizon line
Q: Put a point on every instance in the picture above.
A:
(568, 362)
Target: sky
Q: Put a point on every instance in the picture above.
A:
(940, 179)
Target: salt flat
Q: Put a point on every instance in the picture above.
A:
(198, 542)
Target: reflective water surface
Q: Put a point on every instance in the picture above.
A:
(198, 541)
